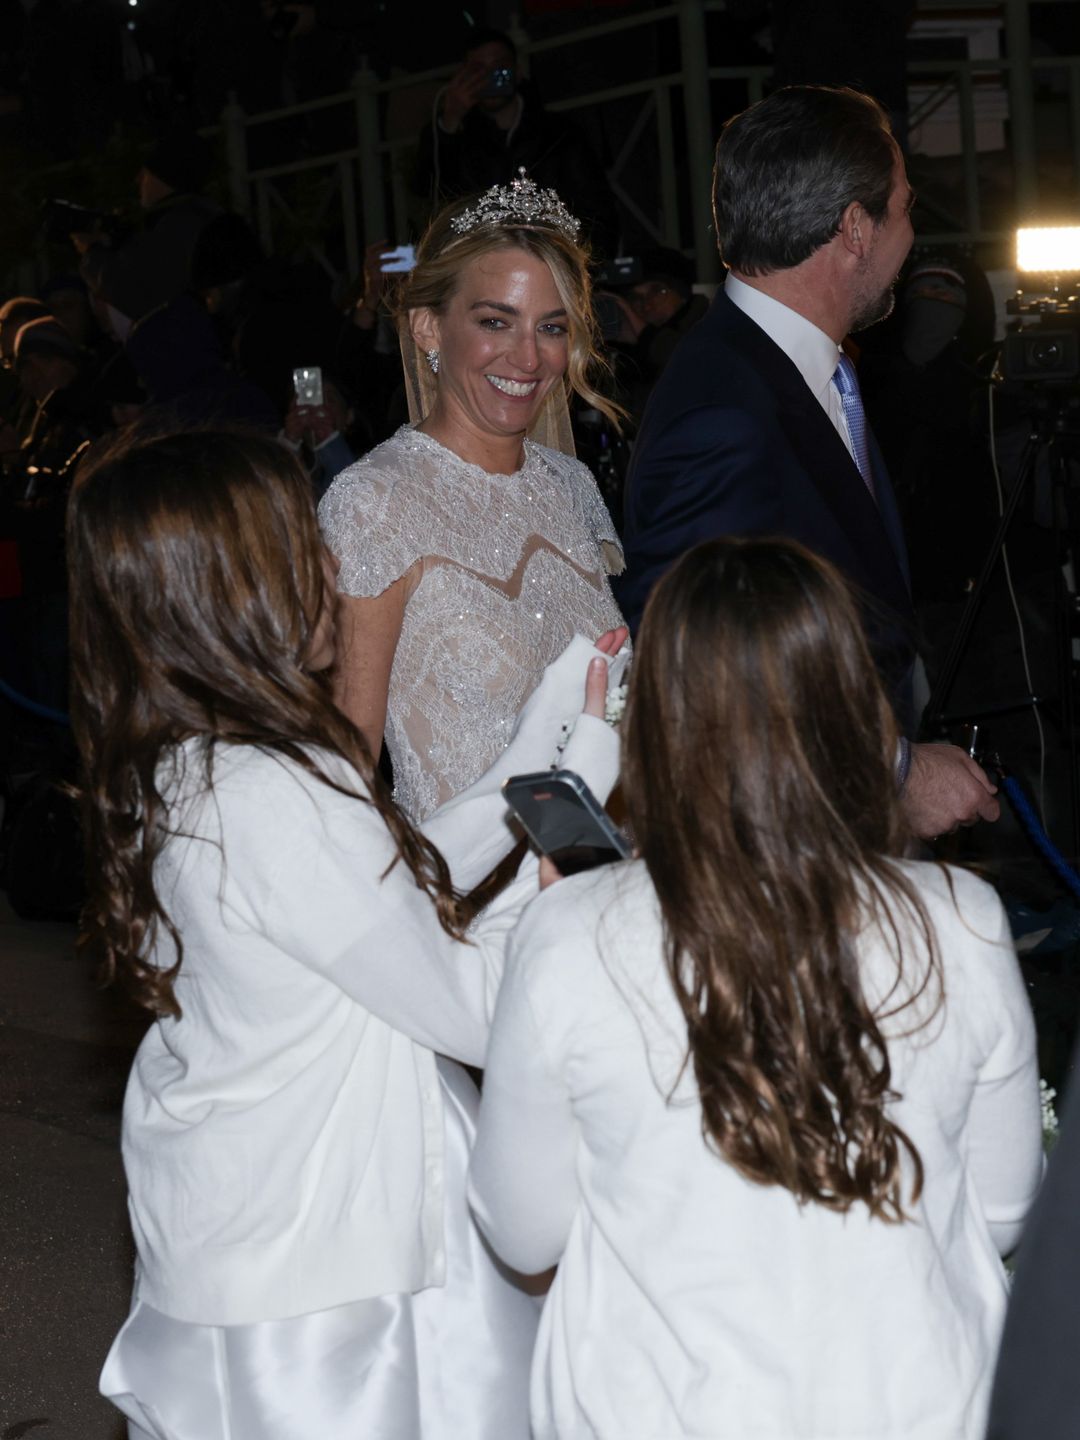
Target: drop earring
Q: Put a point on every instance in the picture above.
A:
(432, 357)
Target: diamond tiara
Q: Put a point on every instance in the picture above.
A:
(519, 203)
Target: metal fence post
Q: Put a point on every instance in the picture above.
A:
(520, 39)
(235, 128)
(699, 138)
(1021, 108)
(372, 200)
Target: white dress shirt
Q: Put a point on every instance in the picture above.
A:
(813, 353)
(283, 1139)
(690, 1301)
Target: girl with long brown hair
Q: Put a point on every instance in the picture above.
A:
(768, 1092)
(296, 1172)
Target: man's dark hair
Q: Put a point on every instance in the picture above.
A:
(787, 169)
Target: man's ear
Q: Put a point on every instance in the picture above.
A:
(424, 328)
(856, 229)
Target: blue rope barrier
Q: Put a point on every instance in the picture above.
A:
(1025, 812)
(34, 707)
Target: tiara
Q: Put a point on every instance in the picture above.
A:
(519, 203)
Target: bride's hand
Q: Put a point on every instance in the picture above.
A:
(612, 641)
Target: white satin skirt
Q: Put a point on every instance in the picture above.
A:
(443, 1364)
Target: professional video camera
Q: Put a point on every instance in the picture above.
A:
(1038, 369)
(1047, 352)
(60, 219)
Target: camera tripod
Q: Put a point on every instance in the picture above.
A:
(1055, 437)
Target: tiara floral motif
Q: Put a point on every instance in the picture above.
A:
(519, 203)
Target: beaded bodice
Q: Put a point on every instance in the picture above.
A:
(505, 570)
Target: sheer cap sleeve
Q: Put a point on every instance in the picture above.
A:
(594, 512)
(367, 523)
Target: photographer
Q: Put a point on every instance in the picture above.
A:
(656, 307)
(489, 121)
(16, 409)
(53, 377)
(154, 265)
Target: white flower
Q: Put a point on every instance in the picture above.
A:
(613, 713)
(1049, 1115)
(616, 704)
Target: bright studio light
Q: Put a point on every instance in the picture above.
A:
(1048, 249)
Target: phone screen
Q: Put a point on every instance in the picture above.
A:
(307, 382)
(398, 261)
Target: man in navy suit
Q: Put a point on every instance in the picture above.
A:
(756, 425)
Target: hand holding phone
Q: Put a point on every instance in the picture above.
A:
(307, 382)
(564, 820)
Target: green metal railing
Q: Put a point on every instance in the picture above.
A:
(366, 189)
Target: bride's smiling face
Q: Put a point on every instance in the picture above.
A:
(502, 341)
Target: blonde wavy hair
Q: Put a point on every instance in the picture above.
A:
(442, 256)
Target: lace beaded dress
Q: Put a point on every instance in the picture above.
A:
(504, 571)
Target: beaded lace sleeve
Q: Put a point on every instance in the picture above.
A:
(370, 521)
(594, 512)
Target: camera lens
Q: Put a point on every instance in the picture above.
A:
(1046, 354)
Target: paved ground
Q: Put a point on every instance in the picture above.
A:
(65, 1253)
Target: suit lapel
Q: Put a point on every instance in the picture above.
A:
(872, 526)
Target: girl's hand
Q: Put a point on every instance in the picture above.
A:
(548, 872)
(596, 683)
(313, 423)
(596, 678)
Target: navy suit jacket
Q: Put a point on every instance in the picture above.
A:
(733, 442)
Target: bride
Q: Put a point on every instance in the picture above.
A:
(472, 548)
(472, 544)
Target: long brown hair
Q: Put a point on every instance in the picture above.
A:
(196, 585)
(759, 753)
(442, 255)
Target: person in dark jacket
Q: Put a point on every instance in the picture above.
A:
(489, 122)
(1036, 1393)
(55, 378)
(756, 425)
(154, 265)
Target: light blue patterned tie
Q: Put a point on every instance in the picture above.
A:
(847, 384)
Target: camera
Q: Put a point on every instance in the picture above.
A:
(1047, 352)
(499, 83)
(60, 219)
(1045, 356)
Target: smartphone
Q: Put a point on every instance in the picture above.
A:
(307, 382)
(564, 820)
(499, 82)
(398, 261)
